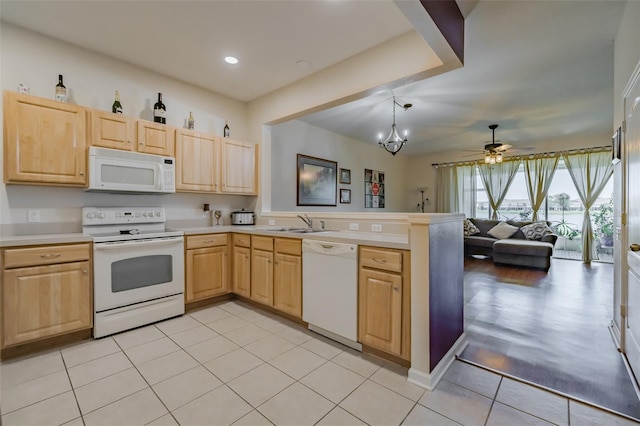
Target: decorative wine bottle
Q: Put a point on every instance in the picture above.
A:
(61, 90)
(190, 121)
(226, 129)
(117, 106)
(159, 111)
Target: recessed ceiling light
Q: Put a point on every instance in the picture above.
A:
(304, 64)
(231, 60)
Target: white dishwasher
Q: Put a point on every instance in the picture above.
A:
(330, 290)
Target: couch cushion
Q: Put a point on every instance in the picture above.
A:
(478, 241)
(484, 225)
(470, 228)
(523, 247)
(502, 230)
(536, 231)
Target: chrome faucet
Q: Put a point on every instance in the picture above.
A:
(306, 219)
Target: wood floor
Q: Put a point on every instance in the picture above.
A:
(550, 329)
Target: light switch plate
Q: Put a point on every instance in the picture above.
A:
(376, 227)
(354, 227)
(33, 216)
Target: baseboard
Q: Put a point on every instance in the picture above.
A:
(430, 380)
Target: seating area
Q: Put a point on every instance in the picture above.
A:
(528, 244)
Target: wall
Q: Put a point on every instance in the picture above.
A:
(296, 137)
(91, 80)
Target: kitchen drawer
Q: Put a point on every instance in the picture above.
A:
(34, 256)
(242, 240)
(289, 246)
(262, 243)
(377, 258)
(209, 240)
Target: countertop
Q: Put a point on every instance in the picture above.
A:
(362, 238)
(396, 241)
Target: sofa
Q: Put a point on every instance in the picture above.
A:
(530, 245)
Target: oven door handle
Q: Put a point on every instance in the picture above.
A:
(137, 243)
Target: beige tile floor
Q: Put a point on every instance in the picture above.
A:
(233, 364)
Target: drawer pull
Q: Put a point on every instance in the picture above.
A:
(377, 260)
(327, 246)
(207, 242)
(635, 247)
(50, 256)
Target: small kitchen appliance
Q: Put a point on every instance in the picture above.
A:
(243, 217)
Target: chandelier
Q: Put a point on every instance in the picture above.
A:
(394, 142)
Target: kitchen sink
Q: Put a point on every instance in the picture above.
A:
(296, 230)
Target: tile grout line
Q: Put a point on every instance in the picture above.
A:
(148, 385)
(75, 397)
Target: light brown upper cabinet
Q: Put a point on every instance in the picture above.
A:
(207, 163)
(117, 131)
(238, 167)
(197, 159)
(44, 141)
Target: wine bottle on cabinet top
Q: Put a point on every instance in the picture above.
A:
(117, 106)
(190, 121)
(226, 129)
(159, 111)
(61, 90)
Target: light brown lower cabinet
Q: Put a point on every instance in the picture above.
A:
(287, 276)
(276, 273)
(384, 300)
(241, 279)
(207, 263)
(43, 299)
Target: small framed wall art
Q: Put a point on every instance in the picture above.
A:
(345, 196)
(345, 176)
(373, 189)
(616, 140)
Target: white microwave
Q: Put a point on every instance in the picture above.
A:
(111, 170)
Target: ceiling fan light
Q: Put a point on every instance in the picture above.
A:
(499, 157)
(487, 158)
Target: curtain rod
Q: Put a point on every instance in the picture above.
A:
(520, 157)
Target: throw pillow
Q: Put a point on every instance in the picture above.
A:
(536, 231)
(470, 228)
(502, 231)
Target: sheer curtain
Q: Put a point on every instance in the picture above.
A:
(456, 189)
(539, 174)
(590, 173)
(496, 179)
(444, 189)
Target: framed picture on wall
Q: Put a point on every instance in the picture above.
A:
(345, 196)
(345, 176)
(317, 181)
(616, 140)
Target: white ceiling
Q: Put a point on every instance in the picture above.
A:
(541, 69)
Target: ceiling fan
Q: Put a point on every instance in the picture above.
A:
(493, 151)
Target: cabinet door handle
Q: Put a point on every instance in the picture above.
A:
(246, 257)
(396, 288)
(377, 260)
(129, 141)
(81, 173)
(84, 271)
(141, 142)
(50, 256)
(268, 261)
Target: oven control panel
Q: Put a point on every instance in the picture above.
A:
(117, 215)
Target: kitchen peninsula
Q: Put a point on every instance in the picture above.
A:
(429, 316)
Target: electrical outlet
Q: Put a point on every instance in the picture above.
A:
(33, 216)
(272, 222)
(354, 227)
(376, 227)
